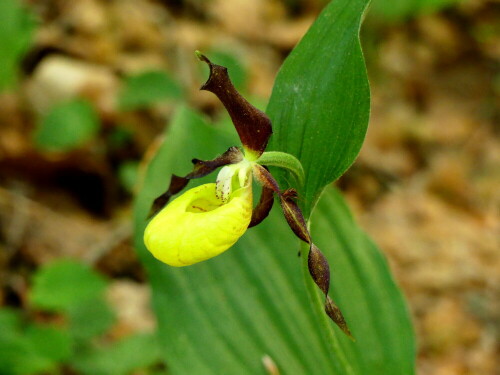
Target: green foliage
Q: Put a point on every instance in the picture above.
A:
(72, 288)
(16, 30)
(19, 357)
(75, 292)
(64, 284)
(128, 174)
(119, 137)
(394, 11)
(89, 318)
(139, 351)
(27, 349)
(320, 101)
(68, 125)
(51, 343)
(147, 88)
(9, 321)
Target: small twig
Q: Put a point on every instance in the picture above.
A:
(17, 225)
(119, 234)
(270, 366)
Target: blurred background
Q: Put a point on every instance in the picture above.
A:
(87, 86)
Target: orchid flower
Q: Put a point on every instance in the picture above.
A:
(207, 220)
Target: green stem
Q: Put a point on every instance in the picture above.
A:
(317, 301)
(283, 160)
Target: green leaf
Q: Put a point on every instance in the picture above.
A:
(16, 31)
(89, 318)
(127, 174)
(320, 101)
(35, 349)
(50, 343)
(132, 353)
(10, 320)
(147, 88)
(17, 357)
(64, 284)
(67, 126)
(224, 315)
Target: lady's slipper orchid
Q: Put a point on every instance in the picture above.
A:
(178, 234)
(207, 220)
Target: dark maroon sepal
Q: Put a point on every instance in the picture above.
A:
(261, 211)
(334, 313)
(320, 273)
(253, 126)
(316, 261)
(319, 268)
(293, 215)
(201, 168)
(177, 183)
(265, 178)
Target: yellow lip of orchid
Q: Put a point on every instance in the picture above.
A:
(197, 225)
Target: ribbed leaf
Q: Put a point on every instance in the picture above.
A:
(224, 315)
(320, 101)
(363, 286)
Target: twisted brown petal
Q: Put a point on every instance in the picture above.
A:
(253, 126)
(316, 261)
(320, 273)
(293, 215)
(319, 268)
(201, 168)
(265, 178)
(261, 211)
(333, 311)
